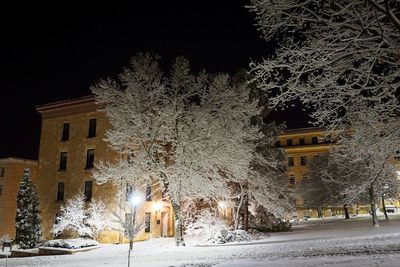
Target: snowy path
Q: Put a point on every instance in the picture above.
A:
(332, 243)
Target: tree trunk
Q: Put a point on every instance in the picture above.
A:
(178, 224)
(346, 212)
(384, 208)
(320, 214)
(236, 223)
(129, 252)
(246, 213)
(375, 222)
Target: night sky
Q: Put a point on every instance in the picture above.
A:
(55, 51)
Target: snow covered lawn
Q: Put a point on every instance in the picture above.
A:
(331, 242)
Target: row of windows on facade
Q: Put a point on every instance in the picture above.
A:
(88, 190)
(89, 159)
(292, 179)
(67, 126)
(302, 141)
(303, 160)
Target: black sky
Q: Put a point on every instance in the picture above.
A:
(55, 51)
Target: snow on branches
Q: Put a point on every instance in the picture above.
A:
(86, 221)
(189, 134)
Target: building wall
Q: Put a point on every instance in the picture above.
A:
(9, 182)
(78, 114)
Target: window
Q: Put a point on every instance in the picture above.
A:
(148, 192)
(63, 161)
(314, 140)
(278, 143)
(303, 160)
(290, 161)
(292, 180)
(88, 190)
(60, 191)
(302, 141)
(65, 132)
(92, 128)
(147, 217)
(2, 170)
(89, 158)
(289, 142)
(128, 192)
(1, 190)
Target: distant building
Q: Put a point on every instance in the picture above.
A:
(72, 141)
(11, 173)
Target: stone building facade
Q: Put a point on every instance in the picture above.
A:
(72, 142)
(11, 173)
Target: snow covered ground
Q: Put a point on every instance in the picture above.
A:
(313, 243)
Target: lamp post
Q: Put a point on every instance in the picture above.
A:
(135, 199)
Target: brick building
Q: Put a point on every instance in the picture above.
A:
(72, 141)
(11, 173)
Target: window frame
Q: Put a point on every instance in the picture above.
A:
(63, 161)
(90, 152)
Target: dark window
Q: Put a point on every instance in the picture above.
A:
(148, 193)
(128, 192)
(92, 128)
(292, 180)
(289, 142)
(290, 161)
(89, 158)
(2, 169)
(60, 191)
(147, 217)
(65, 132)
(278, 143)
(88, 190)
(302, 141)
(314, 140)
(1, 190)
(63, 161)
(303, 160)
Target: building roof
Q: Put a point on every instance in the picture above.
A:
(18, 160)
(69, 106)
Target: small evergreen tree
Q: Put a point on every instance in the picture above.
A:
(27, 219)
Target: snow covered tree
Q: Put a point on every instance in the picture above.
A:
(186, 133)
(27, 220)
(341, 60)
(85, 221)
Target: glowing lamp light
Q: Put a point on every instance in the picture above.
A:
(135, 199)
(157, 206)
(222, 204)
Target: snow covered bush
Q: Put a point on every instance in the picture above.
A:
(71, 243)
(207, 227)
(27, 220)
(85, 221)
